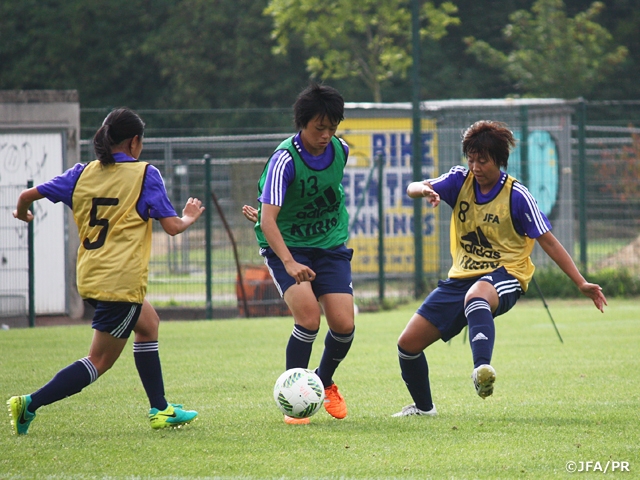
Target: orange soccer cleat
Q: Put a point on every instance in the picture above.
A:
(334, 402)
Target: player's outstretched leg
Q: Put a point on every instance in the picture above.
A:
(21, 417)
(336, 347)
(482, 330)
(415, 373)
(483, 378)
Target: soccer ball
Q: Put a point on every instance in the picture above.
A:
(298, 393)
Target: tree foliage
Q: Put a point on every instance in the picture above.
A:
(552, 54)
(219, 54)
(367, 39)
(619, 170)
(92, 46)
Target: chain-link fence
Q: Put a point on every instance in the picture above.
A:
(580, 161)
(178, 268)
(606, 154)
(14, 262)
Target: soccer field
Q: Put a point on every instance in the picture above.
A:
(553, 404)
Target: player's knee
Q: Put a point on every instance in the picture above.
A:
(409, 344)
(102, 363)
(342, 326)
(312, 324)
(146, 330)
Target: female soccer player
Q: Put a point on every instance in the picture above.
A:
(113, 200)
(302, 227)
(494, 225)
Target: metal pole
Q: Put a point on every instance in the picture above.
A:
(582, 160)
(182, 171)
(362, 198)
(168, 180)
(235, 253)
(416, 141)
(535, 284)
(32, 279)
(381, 223)
(207, 234)
(524, 145)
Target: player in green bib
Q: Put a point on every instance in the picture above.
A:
(321, 221)
(301, 227)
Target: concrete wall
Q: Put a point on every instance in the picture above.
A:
(45, 112)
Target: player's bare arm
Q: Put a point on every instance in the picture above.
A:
(423, 189)
(190, 213)
(301, 273)
(558, 254)
(26, 198)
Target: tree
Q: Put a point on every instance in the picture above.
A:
(553, 55)
(218, 55)
(619, 170)
(368, 39)
(92, 46)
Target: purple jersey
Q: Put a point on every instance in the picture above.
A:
(281, 170)
(528, 219)
(153, 202)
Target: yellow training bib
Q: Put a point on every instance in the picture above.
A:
(483, 238)
(115, 242)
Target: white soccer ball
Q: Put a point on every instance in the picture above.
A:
(299, 393)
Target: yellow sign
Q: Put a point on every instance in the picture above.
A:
(387, 141)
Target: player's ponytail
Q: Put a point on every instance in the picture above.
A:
(120, 125)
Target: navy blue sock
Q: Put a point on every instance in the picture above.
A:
(336, 347)
(415, 373)
(147, 359)
(299, 347)
(68, 381)
(482, 330)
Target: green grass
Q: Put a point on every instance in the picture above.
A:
(553, 403)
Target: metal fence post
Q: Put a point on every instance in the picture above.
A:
(381, 224)
(419, 285)
(32, 279)
(207, 234)
(182, 172)
(524, 145)
(582, 160)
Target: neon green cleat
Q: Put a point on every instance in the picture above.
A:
(20, 417)
(172, 416)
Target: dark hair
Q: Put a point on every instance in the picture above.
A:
(490, 139)
(120, 125)
(318, 100)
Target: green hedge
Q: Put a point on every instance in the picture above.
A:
(555, 284)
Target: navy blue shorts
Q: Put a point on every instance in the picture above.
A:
(444, 306)
(332, 267)
(116, 318)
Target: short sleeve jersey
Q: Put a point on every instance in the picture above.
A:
(490, 230)
(153, 201)
(309, 191)
(112, 206)
(281, 170)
